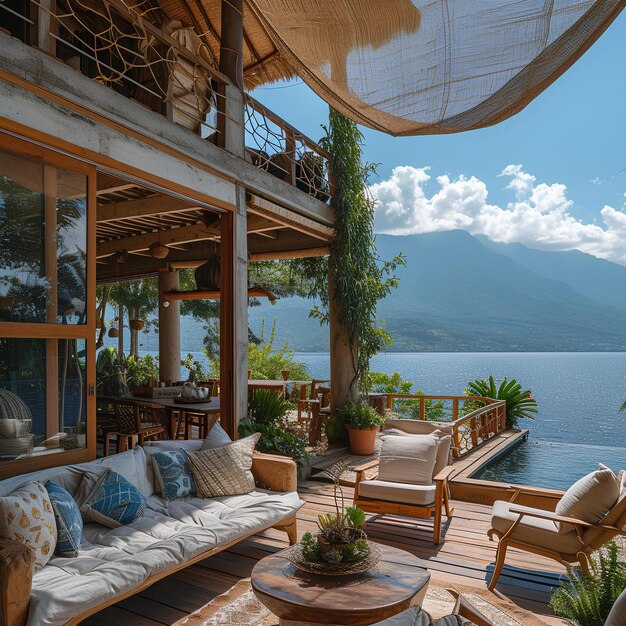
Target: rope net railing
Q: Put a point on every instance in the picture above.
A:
(133, 48)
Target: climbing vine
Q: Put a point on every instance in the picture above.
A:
(360, 278)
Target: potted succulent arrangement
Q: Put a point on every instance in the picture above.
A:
(362, 422)
(340, 547)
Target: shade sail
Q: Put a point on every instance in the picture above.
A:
(431, 67)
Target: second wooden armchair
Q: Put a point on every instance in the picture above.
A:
(412, 477)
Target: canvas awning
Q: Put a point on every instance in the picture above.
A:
(410, 68)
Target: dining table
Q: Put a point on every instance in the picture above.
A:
(207, 412)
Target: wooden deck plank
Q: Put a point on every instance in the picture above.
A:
(465, 557)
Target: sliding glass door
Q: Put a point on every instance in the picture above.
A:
(47, 307)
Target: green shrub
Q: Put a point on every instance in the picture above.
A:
(266, 409)
(519, 402)
(197, 372)
(360, 414)
(141, 369)
(587, 600)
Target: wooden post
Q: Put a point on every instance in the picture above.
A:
(45, 24)
(120, 328)
(169, 329)
(455, 409)
(343, 354)
(422, 408)
(290, 151)
(234, 238)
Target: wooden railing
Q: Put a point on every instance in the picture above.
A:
(134, 49)
(470, 429)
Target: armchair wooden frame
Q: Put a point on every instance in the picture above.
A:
(435, 510)
(581, 557)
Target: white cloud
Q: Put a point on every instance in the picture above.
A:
(539, 216)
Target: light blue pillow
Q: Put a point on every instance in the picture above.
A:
(113, 501)
(173, 473)
(68, 519)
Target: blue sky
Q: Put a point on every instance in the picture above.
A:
(572, 138)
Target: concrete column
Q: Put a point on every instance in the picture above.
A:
(169, 329)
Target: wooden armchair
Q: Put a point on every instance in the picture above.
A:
(422, 494)
(134, 420)
(537, 531)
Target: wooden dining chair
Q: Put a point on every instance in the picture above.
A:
(200, 420)
(140, 420)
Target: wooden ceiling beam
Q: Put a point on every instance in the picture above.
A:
(154, 205)
(184, 234)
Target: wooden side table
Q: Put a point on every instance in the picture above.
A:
(298, 598)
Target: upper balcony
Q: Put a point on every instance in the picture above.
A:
(137, 51)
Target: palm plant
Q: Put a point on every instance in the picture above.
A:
(587, 600)
(519, 402)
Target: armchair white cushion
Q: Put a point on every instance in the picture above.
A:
(419, 495)
(444, 441)
(408, 459)
(590, 498)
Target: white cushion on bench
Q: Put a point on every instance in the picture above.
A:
(420, 495)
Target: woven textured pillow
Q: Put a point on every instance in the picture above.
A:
(110, 499)
(224, 471)
(173, 474)
(26, 516)
(68, 519)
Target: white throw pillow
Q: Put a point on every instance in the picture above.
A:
(408, 459)
(26, 516)
(590, 498)
(443, 445)
(216, 438)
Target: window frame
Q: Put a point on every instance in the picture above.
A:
(51, 330)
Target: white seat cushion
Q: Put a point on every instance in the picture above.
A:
(537, 532)
(420, 495)
(113, 561)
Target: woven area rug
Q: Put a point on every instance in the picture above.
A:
(240, 607)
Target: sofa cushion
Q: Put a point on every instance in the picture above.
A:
(68, 520)
(109, 499)
(113, 561)
(224, 471)
(538, 532)
(590, 498)
(414, 616)
(408, 459)
(26, 516)
(444, 439)
(419, 495)
(173, 474)
(418, 427)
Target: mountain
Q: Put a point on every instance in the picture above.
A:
(458, 293)
(596, 278)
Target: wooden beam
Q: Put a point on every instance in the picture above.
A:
(279, 255)
(154, 205)
(184, 234)
(203, 294)
(265, 208)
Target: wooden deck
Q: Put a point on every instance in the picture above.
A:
(465, 557)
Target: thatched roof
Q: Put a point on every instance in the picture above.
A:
(262, 62)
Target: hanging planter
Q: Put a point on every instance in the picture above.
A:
(136, 324)
(113, 332)
(158, 251)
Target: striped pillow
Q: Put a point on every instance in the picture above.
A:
(224, 471)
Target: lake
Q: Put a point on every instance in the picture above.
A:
(578, 396)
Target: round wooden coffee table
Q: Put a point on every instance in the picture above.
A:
(298, 598)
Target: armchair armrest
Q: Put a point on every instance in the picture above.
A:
(362, 468)
(274, 472)
(578, 524)
(16, 577)
(444, 474)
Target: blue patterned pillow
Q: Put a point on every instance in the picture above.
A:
(68, 519)
(113, 501)
(173, 473)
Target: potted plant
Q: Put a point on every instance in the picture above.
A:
(362, 422)
(340, 546)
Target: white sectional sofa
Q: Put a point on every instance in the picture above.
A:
(114, 563)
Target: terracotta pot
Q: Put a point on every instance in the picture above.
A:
(136, 324)
(113, 332)
(362, 440)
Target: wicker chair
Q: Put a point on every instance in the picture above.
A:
(143, 421)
